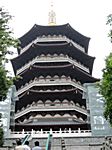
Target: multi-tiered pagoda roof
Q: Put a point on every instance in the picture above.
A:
(53, 64)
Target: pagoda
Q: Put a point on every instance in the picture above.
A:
(53, 65)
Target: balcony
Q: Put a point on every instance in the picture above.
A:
(53, 58)
(63, 80)
(36, 107)
(50, 38)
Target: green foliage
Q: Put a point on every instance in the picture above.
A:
(106, 82)
(6, 41)
(109, 22)
(5, 82)
(106, 88)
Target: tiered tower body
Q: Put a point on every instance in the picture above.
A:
(53, 64)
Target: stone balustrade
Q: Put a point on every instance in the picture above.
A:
(44, 134)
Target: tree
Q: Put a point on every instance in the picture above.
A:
(109, 22)
(6, 41)
(106, 82)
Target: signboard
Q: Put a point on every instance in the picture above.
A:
(95, 105)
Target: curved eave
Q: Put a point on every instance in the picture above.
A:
(38, 49)
(66, 29)
(75, 73)
(27, 38)
(28, 97)
(14, 65)
(63, 123)
(83, 40)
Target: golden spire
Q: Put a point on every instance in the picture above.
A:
(52, 15)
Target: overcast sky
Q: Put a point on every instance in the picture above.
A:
(86, 16)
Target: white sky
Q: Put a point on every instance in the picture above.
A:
(86, 16)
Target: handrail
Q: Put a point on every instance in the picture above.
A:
(48, 142)
(25, 138)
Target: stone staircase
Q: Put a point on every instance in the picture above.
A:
(78, 143)
(68, 143)
(56, 144)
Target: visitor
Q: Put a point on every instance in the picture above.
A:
(37, 147)
(19, 145)
(26, 146)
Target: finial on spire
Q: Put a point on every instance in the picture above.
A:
(52, 15)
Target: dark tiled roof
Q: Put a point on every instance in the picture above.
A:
(29, 97)
(66, 49)
(74, 73)
(65, 30)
